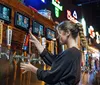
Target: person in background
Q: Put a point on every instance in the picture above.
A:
(66, 66)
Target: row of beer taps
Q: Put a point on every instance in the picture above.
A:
(6, 52)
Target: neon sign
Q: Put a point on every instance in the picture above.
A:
(58, 8)
(71, 18)
(75, 14)
(91, 32)
(97, 37)
(43, 1)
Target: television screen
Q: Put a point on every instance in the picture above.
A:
(5, 13)
(22, 21)
(50, 34)
(37, 28)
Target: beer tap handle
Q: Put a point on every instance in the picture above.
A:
(1, 34)
(9, 38)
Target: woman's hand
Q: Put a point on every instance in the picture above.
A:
(33, 38)
(36, 42)
(28, 67)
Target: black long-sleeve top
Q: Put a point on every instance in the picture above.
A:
(65, 67)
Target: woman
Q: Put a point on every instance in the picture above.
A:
(65, 67)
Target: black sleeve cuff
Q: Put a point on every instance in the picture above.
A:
(43, 53)
(39, 74)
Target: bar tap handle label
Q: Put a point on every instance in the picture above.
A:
(27, 40)
(9, 36)
(1, 31)
(24, 42)
(30, 45)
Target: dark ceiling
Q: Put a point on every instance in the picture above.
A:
(89, 9)
(91, 12)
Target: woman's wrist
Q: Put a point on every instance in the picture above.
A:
(34, 69)
(36, 42)
(39, 46)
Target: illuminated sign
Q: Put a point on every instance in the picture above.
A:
(43, 1)
(84, 26)
(56, 3)
(71, 18)
(91, 32)
(75, 14)
(58, 8)
(97, 37)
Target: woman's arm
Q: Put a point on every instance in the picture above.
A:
(46, 56)
(28, 67)
(36, 43)
(55, 74)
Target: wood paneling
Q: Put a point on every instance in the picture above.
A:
(10, 73)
